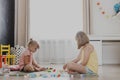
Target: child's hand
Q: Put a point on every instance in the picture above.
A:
(65, 66)
(70, 72)
(42, 69)
(38, 66)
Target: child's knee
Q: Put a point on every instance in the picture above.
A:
(29, 68)
(70, 65)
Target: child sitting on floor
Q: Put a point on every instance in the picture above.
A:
(27, 63)
(86, 62)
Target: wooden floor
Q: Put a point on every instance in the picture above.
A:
(106, 72)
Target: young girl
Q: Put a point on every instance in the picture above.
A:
(27, 63)
(86, 62)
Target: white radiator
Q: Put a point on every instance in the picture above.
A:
(56, 51)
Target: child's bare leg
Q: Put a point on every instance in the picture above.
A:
(29, 68)
(36, 68)
(39, 69)
(74, 67)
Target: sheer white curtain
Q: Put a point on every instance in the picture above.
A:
(56, 51)
(54, 21)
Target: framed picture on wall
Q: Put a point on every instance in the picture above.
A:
(100, 19)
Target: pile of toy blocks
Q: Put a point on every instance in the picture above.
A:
(5, 56)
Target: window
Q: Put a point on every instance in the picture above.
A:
(55, 19)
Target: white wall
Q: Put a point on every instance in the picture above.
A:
(111, 52)
(55, 19)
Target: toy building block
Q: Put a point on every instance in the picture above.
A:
(6, 57)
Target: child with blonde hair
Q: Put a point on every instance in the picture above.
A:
(27, 62)
(86, 62)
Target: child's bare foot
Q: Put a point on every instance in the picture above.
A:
(37, 69)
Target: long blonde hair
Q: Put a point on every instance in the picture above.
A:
(82, 39)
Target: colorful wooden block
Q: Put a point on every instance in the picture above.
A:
(7, 57)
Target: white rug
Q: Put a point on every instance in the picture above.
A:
(60, 78)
